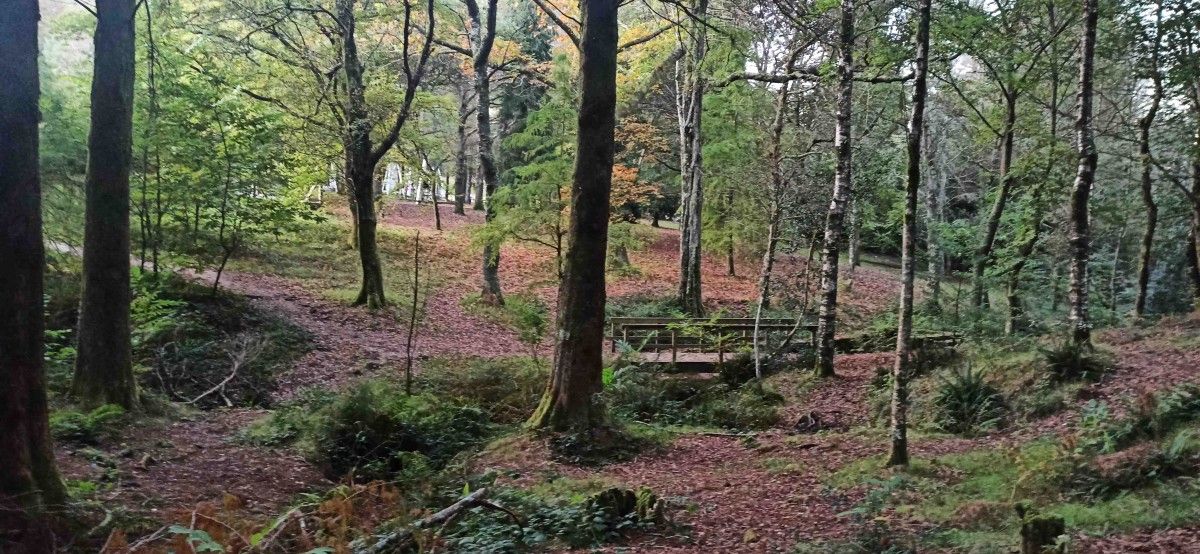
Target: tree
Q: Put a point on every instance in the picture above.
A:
(835, 220)
(1010, 51)
(1081, 331)
(29, 481)
(908, 260)
(576, 377)
(104, 364)
(310, 43)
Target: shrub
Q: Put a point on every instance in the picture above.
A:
(71, 425)
(1111, 474)
(375, 431)
(652, 397)
(1071, 362)
(552, 522)
(643, 306)
(966, 403)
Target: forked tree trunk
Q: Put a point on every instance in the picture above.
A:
(835, 219)
(360, 165)
(29, 482)
(104, 362)
(983, 254)
(483, 35)
(690, 106)
(568, 403)
(1016, 309)
(1081, 330)
(1146, 159)
(908, 260)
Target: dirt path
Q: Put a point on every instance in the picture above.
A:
(351, 343)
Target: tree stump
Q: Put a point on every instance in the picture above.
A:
(1039, 533)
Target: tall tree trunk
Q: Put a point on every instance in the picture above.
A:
(29, 482)
(983, 254)
(835, 219)
(1081, 329)
(774, 215)
(690, 104)
(568, 403)
(1146, 159)
(104, 364)
(908, 259)
(483, 35)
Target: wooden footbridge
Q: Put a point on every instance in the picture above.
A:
(699, 344)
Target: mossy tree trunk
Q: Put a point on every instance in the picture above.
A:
(104, 363)
(1078, 231)
(29, 481)
(568, 403)
(483, 36)
(908, 248)
(1145, 123)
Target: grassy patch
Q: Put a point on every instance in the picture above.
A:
(970, 497)
(525, 314)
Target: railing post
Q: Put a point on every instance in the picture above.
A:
(674, 349)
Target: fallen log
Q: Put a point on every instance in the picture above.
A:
(399, 541)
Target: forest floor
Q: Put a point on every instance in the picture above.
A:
(766, 493)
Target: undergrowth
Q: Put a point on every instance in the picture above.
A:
(650, 397)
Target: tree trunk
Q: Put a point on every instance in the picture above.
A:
(1016, 309)
(835, 218)
(29, 482)
(477, 204)
(908, 258)
(104, 364)
(935, 200)
(460, 158)
(1081, 331)
(983, 254)
(1194, 241)
(1147, 182)
(854, 245)
(690, 103)
(774, 216)
(483, 35)
(568, 403)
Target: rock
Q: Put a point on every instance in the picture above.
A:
(750, 536)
